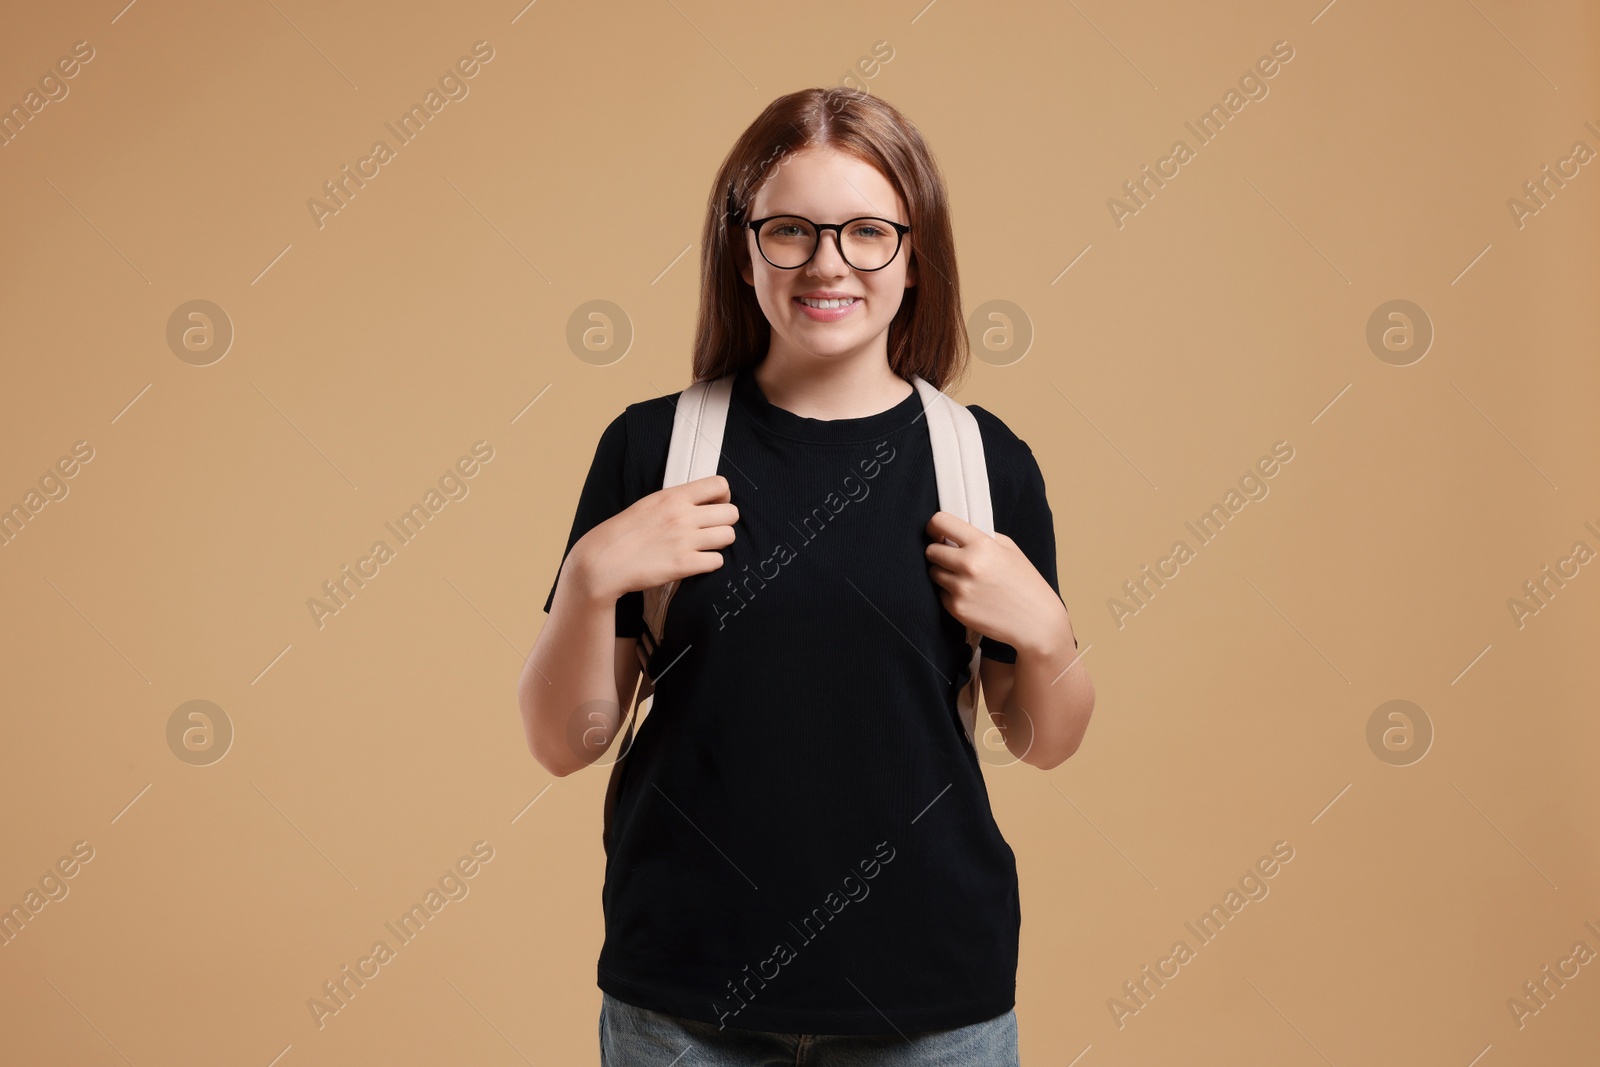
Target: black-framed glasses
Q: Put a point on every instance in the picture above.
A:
(866, 242)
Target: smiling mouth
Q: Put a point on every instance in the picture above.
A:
(824, 305)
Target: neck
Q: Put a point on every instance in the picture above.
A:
(815, 388)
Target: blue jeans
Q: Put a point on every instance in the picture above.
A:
(631, 1036)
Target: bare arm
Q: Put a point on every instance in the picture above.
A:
(578, 680)
(580, 677)
(1041, 707)
(1041, 703)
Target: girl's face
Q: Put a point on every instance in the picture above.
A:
(826, 185)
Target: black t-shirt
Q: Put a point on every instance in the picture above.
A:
(802, 839)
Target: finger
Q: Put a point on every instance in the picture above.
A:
(945, 526)
(704, 563)
(720, 514)
(711, 489)
(712, 537)
(943, 555)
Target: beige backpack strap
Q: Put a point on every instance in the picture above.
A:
(693, 451)
(962, 475)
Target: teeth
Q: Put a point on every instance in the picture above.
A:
(837, 303)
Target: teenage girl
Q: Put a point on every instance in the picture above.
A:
(802, 864)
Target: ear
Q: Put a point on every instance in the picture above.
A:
(741, 256)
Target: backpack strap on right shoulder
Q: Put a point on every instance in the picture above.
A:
(693, 452)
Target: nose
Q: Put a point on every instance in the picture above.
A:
(828, 260)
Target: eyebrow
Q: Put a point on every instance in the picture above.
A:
(847, 218)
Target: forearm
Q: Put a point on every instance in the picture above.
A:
(568, 690)
(1051, 696)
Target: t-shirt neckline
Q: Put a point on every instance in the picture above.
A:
(768, 416)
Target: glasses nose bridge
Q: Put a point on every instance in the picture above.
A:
(820, 229)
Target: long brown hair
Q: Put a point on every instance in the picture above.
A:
(927, 335)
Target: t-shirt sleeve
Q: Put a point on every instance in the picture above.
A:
(1027, 521)
(606, 492)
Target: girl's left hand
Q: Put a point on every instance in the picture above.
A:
(990, 585)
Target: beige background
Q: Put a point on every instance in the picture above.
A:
(1231, 312)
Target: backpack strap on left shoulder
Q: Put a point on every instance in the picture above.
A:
(962, 475)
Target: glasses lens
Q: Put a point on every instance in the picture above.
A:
(867, 243)
(787, 240)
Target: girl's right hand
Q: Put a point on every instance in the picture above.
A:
(666, 535)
